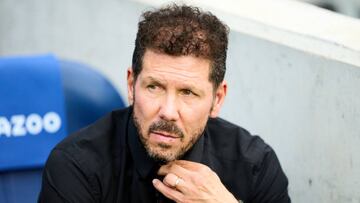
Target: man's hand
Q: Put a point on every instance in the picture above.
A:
(187, 181)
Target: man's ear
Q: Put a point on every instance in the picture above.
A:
(219, 99)
(130, 85)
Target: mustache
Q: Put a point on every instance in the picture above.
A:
(166, 126)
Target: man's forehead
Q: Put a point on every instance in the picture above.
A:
(156, 57)
(188, 67)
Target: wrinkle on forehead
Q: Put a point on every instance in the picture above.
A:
(170, 73)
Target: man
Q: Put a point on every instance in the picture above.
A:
(169, 145)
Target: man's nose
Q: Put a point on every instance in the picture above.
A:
(169, 109)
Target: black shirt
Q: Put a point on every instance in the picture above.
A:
(106, 162)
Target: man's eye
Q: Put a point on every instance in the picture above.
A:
(187, 92)
(151, 87)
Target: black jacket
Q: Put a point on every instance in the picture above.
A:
(106, 162)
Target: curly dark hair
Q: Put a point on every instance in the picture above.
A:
(181, 30)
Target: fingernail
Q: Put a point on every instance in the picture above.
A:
(155, 181)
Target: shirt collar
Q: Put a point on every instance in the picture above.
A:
(144, 164)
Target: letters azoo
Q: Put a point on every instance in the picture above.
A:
(34, 124)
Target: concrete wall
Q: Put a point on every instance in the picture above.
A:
(94, 32)
(307, 108)
(302, 98)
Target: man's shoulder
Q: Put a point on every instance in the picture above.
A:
(243, 161)
(234, 143)
(94, 144)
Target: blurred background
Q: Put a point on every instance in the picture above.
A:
(346, 7)
(293, 74)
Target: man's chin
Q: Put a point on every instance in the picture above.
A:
(162, 154)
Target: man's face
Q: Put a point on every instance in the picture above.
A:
(172, 99)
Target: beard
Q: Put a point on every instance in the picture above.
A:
(162, 152)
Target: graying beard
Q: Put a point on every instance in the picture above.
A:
(157, 157)
(152, 154)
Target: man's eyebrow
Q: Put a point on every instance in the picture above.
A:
(152, 79)
(189, 86)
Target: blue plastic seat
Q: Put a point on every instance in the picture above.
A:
(87, 96)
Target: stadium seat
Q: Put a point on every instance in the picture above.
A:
(43, 99)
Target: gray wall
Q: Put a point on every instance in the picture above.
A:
(305, 106)
(90, 31)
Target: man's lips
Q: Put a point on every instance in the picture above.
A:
(163, 137)
(165, 134)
